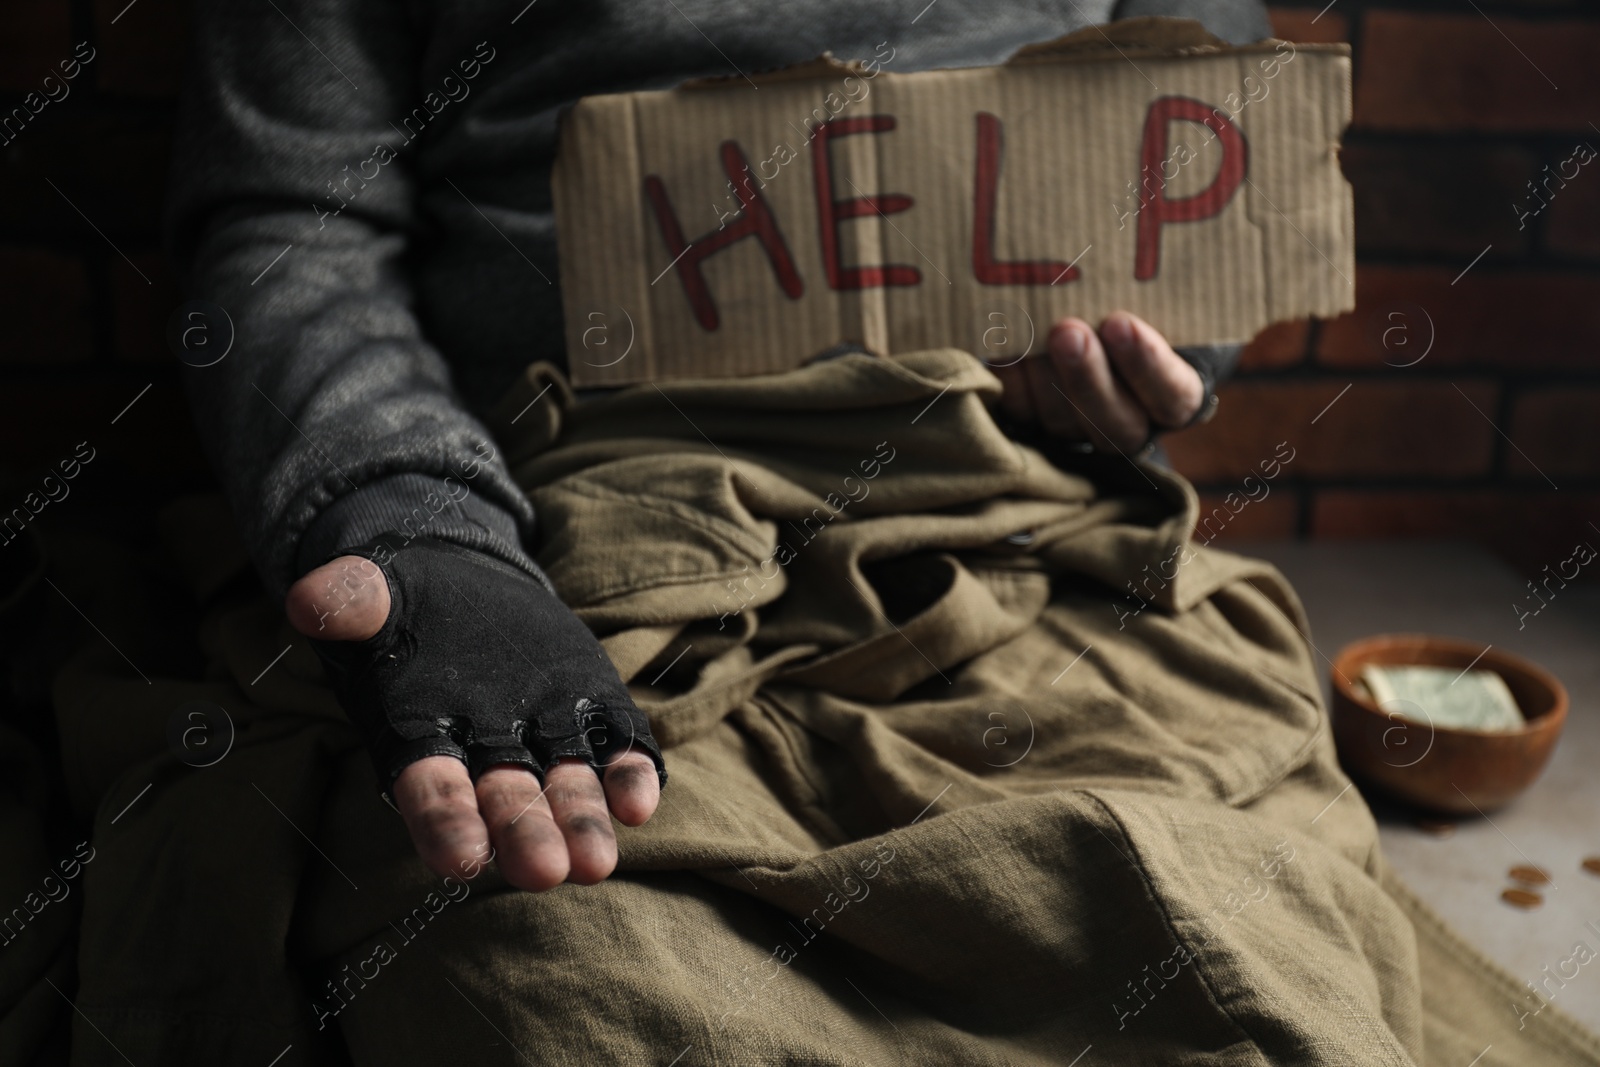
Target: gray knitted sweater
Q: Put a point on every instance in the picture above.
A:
(363, 186)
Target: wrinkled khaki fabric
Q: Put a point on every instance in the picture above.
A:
(938, 794)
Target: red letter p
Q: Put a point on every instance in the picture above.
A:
(1155, 209)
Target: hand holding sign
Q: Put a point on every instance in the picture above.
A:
(1111, 389)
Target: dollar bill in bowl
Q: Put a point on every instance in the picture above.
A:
(1440, 696)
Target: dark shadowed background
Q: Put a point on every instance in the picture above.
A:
(1493, 437)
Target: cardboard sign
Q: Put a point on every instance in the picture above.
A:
(719, 230)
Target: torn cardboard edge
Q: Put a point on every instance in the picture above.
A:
(783, 265)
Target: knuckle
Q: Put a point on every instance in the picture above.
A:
(572, 791)
(588, 825)
(631, 775)
(435, 814)
(509, 794)
(502, 801)
(443, 831)
(450, 790)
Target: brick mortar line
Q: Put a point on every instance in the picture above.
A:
(1304, 496)
(1308, 350)
(1504, 407)
(1575, 263)
(1531, 263)
(1355, 20)
(1452, 262)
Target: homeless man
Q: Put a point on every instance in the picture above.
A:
(933, 798)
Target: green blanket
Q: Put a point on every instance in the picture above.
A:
(975, 759)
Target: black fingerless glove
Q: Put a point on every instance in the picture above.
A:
(479, 661)
(1214, 364)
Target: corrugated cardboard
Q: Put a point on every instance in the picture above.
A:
(1142, 165)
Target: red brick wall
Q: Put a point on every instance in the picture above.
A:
(1494, 436)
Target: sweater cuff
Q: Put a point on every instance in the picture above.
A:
(1214, 363)
(415, 505)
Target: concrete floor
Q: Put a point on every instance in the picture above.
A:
(1355, 589)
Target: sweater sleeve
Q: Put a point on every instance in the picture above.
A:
(1235, 21)
(292, 209)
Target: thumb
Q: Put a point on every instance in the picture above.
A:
(346, 599)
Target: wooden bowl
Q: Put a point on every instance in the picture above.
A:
(1441, 768)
